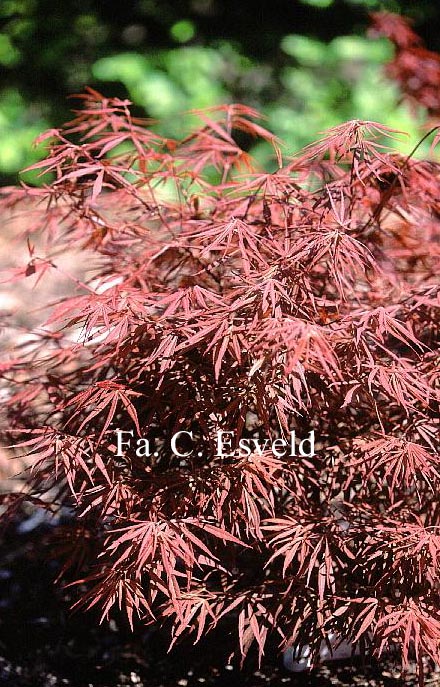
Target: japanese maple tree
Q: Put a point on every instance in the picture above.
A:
(223, 297)
(414, 68)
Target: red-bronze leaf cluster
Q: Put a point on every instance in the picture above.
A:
(414, 68)
(220, 297)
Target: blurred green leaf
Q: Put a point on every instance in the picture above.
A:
(9, 55)
(19, 127)
(308, 51)
(183, 31)
(318, 3)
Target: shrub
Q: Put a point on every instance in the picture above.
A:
(414, 68)
(223, 298)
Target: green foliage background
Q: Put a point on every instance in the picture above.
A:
(306, 64)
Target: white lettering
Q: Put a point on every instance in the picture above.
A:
(121, 442)
(311, 440)
(174, 447)
(282, 445)
(222, 442)
(143, 447)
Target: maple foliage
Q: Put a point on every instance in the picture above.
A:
(223, 297)
(415, 68)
